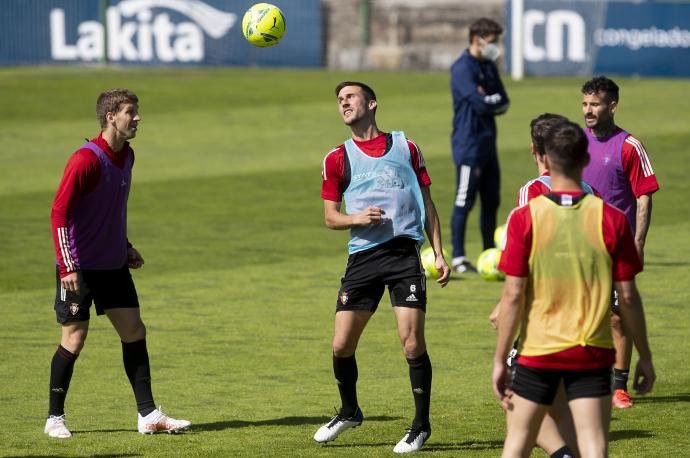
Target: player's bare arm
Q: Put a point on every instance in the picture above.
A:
(643, 219)
(433, 231)
(511, 304)
(337, 220)
(632, 313)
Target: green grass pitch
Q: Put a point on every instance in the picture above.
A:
(241, 274)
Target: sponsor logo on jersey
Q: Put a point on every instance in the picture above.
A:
(136, 34)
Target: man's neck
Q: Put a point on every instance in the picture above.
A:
(364, 133)
(114, 141)
(566, 183)
(605, 130)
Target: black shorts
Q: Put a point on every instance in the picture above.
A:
(540, 385)
(108, 289)
(395, 264)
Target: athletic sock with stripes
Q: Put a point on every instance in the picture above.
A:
(620, 379)
(61, 368)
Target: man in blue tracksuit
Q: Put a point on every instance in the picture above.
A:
(478, 96)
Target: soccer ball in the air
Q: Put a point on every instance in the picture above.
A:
(263, 25)
(487, 265)
(429, 262)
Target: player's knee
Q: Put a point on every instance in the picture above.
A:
(616, 322)
(74, 342)
(342, 348)
(413, 348)
(134, 332)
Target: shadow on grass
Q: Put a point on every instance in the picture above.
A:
(624, 434)
(433, 446)
(680, 397)
(285, 421)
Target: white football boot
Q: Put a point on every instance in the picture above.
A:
(159, 422)
(331, 430)
(413, 440)
(55, 427)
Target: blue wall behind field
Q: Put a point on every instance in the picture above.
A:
(585, 37)
(152, 32)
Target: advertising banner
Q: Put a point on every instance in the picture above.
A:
(152, 32)
(585, 37)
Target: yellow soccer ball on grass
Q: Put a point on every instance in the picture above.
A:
(487, 265)
(263, 25)
(429, 262)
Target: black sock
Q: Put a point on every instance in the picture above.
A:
(61, 369)
(563, 452)
(620, 379)
(420, 379)
(345, 370)
(136, 360)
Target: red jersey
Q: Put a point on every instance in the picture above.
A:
(626, 263)
(336, 178)
(81, 176)
(638, 168)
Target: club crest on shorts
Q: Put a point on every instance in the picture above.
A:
(74, 308)
(344, 297)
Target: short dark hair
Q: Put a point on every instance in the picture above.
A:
(540, 125)
(111, 101)
(602, 84)
(566, 147)
(484, 27)
(369, 93)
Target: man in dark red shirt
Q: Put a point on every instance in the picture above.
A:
(89, 222)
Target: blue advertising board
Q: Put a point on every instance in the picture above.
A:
(585, 37)
(152, 32)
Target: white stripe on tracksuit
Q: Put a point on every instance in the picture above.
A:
(461, 197)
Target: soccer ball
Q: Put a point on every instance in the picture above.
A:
(263, 25)
(429, 262)
(500, 236)
(487, 265)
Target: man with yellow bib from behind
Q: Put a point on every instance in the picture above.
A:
(564, 252)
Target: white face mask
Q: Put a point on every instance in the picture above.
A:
(490, 51)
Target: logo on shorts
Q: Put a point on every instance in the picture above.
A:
(74, 308)
(344, 297)
(411, 298)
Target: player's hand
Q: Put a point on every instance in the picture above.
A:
(134, 259)
(493, 318)
(72, 282)
(644, 376)
(501, 380)
(443, 271)
(369, 216)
